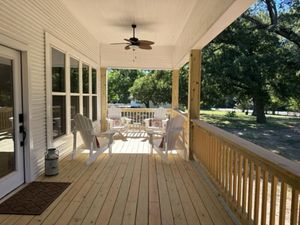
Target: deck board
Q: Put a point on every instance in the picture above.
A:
(130, 187)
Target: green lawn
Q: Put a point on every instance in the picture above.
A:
(280, 135)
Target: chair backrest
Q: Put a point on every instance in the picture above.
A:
(85, 127)
(174, 127)
(160, 113)
(114, 113)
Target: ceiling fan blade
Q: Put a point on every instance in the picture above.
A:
(125, 39)
(146, 42)
(146, 47)
(127, 47)
(119, 43)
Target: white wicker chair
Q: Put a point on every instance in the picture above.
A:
(93, 140)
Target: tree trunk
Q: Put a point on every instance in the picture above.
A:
(147, 104)
(259, 108)
(254, 113)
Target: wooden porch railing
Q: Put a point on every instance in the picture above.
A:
(138, 115)
(259, 186)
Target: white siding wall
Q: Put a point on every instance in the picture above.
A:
(27, 21)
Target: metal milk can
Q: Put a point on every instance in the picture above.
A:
(51, 162)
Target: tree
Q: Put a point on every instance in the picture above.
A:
(244, 61)
(282, 18)
(155, 87)
(119, 82)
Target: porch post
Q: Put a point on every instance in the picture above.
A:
(194, 93)
(103, 92)
(175, 89)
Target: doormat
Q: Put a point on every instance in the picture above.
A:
(33, 199)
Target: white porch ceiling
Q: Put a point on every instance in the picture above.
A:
(176, 26)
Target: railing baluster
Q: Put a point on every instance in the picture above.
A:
(282, 211)
(239, 196)
(235, 177)
(245, 178)
(294, 207)
(250, 196)
(227, 149)
(273, 200)
(264, 198)
(230, 172)
(257, 195)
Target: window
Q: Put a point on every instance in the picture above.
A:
(74, 73)
(59, 115)
(86, 106)
(58, 71)
(94, 94)
(85, 79)
(94, 105)
(74, 109)
(94, 81)
(58, 93)
(74, 90)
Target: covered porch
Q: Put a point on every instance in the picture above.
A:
(219, 179)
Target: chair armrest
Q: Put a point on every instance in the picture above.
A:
(126, 120)
(147, 122)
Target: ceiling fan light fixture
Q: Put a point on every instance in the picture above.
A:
(134, 43)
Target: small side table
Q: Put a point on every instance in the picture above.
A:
(135, 126)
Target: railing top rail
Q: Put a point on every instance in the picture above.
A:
(286, 168)
(141, 109)
(184, 114)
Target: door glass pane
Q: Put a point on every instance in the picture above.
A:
(86, 105)
(74, 109)
(58, 71)
(7, 148)
(74, 72)
(85, 78)
(59, 116)
(94, 99)
(94, 81)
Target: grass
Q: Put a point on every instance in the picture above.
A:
(281, 134)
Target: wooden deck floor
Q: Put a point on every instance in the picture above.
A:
(131, 187)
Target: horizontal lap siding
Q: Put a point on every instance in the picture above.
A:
(27, 21)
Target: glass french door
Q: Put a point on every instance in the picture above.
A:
(11, 119)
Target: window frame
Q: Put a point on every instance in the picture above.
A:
(70, 52)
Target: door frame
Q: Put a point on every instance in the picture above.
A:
(23, 48)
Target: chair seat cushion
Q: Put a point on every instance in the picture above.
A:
(155, 123)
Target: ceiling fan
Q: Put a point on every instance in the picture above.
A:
(135, 42)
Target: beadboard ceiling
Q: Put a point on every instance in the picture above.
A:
(176, 26)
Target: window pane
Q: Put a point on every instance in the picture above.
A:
(94, 99)
(58, 71)
(59, 115)
(85, 78)
(74, 109)
(86, 109)
(7, 143)
(94, 81)
(74, 72)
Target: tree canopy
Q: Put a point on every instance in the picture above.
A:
(155, 86)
